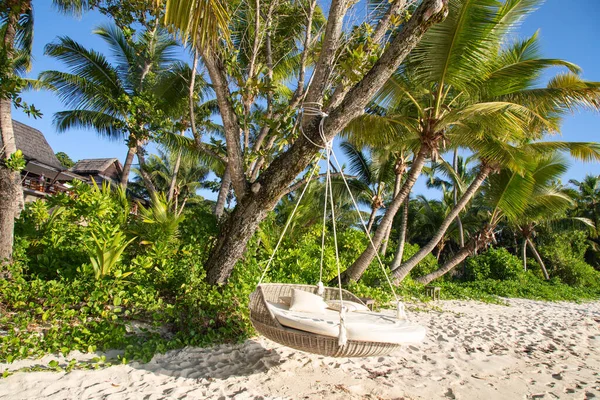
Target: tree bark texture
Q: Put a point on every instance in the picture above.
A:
(401, 272)
(539, 260)
(356, 270)
(265, 192)
(401, 237)
(480, 240)
(127, 166)
(223, 192)
(386, 238)
(10, 183)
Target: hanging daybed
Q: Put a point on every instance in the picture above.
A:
(340, 325)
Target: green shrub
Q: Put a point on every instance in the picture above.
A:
(495, 263)
(565, 253)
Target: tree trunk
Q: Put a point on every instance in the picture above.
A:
(10, 183)
(223, 192)
(371, 219)
(402, 237)
(271, 184)
(538, 259)
(127, 166)
(386, 239)
(461, 231)
(480, 240)
(175, 172)
(459, 257)
(9, 192)
(355, 271)
(145, 176)
(235, 233)
(174, 178)
(401, 272)
(524, 253)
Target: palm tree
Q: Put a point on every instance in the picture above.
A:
(373, 173)
(513, 197)
(115, 100)
(461, 88)
(16, 32)
(163, 168)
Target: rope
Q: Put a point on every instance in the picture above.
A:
(342, 338)
(287, 224)
(400, 306)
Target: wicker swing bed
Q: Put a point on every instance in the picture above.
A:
(265, 302)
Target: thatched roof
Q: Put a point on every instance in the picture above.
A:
(92, 166)
(34, 146)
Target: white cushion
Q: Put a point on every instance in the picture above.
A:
(307, 302)
(360, 326)
(351, 306)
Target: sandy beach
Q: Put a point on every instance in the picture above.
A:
(526, 350)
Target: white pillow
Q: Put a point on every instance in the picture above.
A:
(351, 306)
(307, 302)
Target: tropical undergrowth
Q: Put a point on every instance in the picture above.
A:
(89, 275)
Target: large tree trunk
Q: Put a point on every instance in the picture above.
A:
(401, 272)
(402, 236)
(127, 166)
(538, 259)
(223, 192)
(355, 271)
(9, 193)
(478, 241)
(271, 184)
(10, 184)
(386, 239)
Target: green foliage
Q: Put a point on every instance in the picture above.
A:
(64, 159)
(107, 251)
(15, 162)
(495, 263)
(565, 252)
(527, 286)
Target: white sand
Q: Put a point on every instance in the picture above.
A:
(528, 350)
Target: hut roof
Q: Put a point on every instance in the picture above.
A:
(34, 146)
(93, 166)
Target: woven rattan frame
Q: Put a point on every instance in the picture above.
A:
(266, 324)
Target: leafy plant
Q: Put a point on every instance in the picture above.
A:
(107, 251)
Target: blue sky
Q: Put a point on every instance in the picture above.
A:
(568, 30)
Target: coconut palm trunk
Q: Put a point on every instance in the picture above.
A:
(175, 172)
(401, 272)
(127, 166)
(524, 253)
(397, 186)
(372, 218)
(538, 259)
(145, 175)
(355, 271)
(402, 236)
(10, 185)
(480, 240)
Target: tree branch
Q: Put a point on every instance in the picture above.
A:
(216, 71)
(384, 23)
(325, 63)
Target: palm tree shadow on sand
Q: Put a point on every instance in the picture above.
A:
(219, 362)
